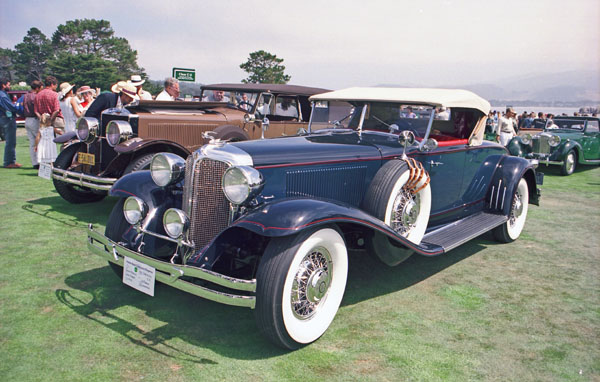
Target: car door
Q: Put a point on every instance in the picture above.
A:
(445, 166)
(591, 141)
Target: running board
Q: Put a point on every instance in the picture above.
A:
(452, 235)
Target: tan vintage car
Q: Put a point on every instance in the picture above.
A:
(126, 139)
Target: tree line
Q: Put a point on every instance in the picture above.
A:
(87, 52)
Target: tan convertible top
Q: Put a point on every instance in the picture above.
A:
(434, 97)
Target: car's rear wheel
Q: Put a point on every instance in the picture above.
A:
(116, 226)
(511, 230)
(299, 286)
(406, 213)
(568, 166)
(70, 192)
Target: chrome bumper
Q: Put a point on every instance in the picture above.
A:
(83, 180)
(170, 274)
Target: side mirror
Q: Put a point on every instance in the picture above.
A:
(394, 128)
(302, 131)
(405, 138)
(249, 117)
(265, 127)
(430, 145)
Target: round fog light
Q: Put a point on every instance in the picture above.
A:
(175, 222)
(134, 209)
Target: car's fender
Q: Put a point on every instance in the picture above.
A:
(66, 137)
(139, 145)
(517, 148)
(290, 216)
(509, 172)
(565, 147)
(157, 200)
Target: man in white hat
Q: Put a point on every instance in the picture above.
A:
(137, 81)
(122, 94)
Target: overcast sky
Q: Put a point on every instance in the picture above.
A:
(337, 44)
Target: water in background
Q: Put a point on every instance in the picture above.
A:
(544, 109)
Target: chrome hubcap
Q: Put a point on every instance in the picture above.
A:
(570, 162)
(405, 212)
(517, 209)
(311, 283)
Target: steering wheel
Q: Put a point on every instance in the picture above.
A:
(245, 103)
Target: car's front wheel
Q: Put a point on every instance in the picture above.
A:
(511, 230)
(568, 166)
(300, 284)
(70, 192)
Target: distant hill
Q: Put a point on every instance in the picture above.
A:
(565, 87)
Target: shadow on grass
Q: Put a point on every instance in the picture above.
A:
(227, 330)
(369, 278)
(59, 210)
(98, 295)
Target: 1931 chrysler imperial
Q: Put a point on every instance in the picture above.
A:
(266, 224)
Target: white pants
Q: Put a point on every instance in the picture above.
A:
(505, 138)
(32, 125)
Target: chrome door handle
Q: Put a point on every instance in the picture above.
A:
(434, 163)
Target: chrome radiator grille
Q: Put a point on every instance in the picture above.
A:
(204, 202)
(540, 145)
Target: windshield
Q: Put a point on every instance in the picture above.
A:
(379, 116)
(241, 99)
(565, 124)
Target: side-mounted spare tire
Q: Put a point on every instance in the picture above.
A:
(70, 192)
(406, 213)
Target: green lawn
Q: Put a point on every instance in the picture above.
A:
(525, 311)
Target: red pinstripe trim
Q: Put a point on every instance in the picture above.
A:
(126, 192)
(319, 162)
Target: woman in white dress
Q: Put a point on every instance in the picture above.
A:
(44, 142)
(69, 105)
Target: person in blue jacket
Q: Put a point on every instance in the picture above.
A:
(8, 122)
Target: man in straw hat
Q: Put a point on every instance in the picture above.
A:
(506, 126)
(122, 94)
(137, 81)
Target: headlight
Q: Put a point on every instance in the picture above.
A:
(134, 209)
(554, 140)
(87, 129)
(175, 222)
(526, 139)
(117, 132)
(242, 183)
(167, 168)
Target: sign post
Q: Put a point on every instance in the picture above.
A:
(182, 74)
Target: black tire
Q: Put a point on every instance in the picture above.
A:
(140, 163)
(569, 164)
(230, 133)
(116, 226)
(511, 229)
(70, 192)
(382, 191)
(319, 255)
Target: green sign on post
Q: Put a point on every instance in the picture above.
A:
(182, 74)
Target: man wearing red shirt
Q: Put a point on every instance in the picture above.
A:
(32, 124)
(47, 102)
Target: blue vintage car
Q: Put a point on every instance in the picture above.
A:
(266, 224)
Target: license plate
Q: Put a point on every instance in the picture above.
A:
(85, 158)
(45, 171)
(139, 275)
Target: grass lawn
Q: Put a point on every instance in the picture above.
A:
(525, 311)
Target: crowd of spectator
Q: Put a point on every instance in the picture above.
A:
(59, 110)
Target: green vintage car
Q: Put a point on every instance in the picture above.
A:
(565, 141)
